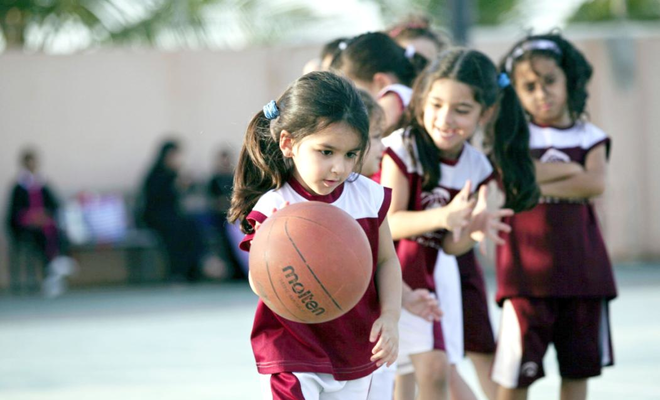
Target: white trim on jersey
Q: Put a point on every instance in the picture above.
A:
(448, 288)
(471, 164)
(508, 357)
(403, 91)
(582, 135)
(361, 198)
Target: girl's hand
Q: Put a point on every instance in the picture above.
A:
(422, 303)
(386, 330)
(459, 210)
(486, 224)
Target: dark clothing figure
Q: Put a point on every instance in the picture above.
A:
(31, 215)
(219, 191)
(181, 236)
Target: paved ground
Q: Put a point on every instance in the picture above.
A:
(190, 343)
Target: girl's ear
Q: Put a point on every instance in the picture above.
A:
(486, 115)
(382, 79)
(286, 144)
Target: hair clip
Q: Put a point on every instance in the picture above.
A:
(410, 52)
(342, 45)
(530, 45)
(503, 80)
(271, 111)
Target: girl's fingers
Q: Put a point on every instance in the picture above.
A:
(379, 346)
(501, 226)
(375, 331)
(505, 212)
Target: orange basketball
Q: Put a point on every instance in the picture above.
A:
(310, 262)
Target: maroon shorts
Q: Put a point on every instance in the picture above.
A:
(478, 334)
(579, 328)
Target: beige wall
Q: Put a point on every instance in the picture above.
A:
(97, 118)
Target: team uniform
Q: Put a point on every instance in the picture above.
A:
(459, 280)
(421, 256)
(554, 275)
(319, 361)
(402, 92)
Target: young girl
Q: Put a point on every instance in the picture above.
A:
(307, 146)
(554, 276)
(427, 164)
(383, 68)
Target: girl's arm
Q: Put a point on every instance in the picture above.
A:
(550, 172)
(587, 184)
(404, 223)
(385, 329)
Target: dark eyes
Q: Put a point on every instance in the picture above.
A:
(350, 154)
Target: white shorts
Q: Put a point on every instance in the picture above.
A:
(415, 337)
(312, 386)
(382, 383)
(448, 288)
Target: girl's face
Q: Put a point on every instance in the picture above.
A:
(371, 162)
(451, 116)
(541, 86)
(325, 159)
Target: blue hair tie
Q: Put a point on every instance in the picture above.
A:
(271, 111)
(503, 80)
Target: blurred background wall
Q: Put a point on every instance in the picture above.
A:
(97, 117)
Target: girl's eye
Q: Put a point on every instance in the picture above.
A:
(530, 87)
(435, 105)
(326, 152)
(462, 111)
(550, 80)
(351, 154)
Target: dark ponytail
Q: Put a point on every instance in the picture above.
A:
(507, 145)
(506, 136)
(260, 168)
(312, 103)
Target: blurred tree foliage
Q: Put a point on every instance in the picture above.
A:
(485, 12)
(37, 24)
(611, 10)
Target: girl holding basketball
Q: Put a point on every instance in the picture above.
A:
(430, 168)
(554, 277)
(307, 146)
(377, 64)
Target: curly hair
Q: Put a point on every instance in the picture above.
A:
(577, 69)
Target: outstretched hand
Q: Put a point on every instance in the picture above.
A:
(385, 331)
(487, 224)
(422, 303)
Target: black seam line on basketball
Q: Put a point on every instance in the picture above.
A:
(286, 229)
(273, 285)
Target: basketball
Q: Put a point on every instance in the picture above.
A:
(310, 262)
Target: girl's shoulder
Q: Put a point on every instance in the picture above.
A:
(582, 134)
(364, 198)
(401, 147)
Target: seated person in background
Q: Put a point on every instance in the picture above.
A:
(219, 192)
(162, 212)
(31, 218)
